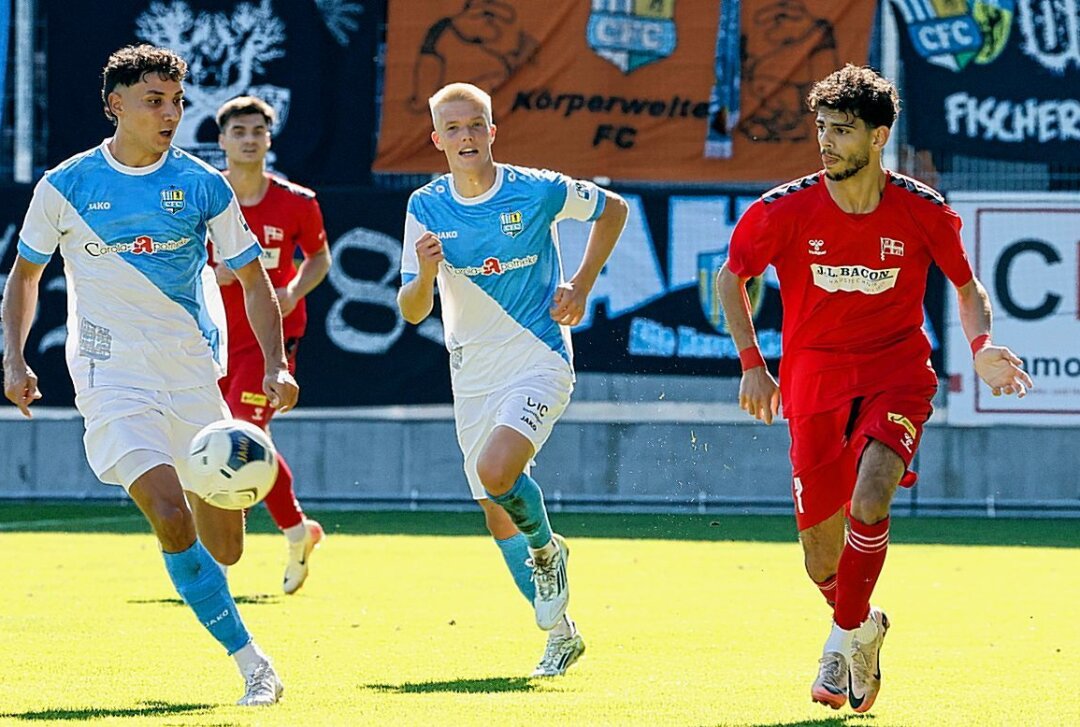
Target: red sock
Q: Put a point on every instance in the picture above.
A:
(281, 502)
(860, 566)
(828, 589)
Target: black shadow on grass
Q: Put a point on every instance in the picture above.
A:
(459, 686)
(254, 599)
(851, 720)
(147, 709)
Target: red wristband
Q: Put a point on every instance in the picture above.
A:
(750, 358)
(979, 343)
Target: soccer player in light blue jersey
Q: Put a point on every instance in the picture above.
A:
(486, 235)
(145, 326)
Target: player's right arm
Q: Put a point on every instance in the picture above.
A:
(421, 254)
(749, 252)
(38, 240)
(19, 307)
(759, 394)
(417, 296)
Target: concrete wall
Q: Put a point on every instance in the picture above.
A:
(660, 453)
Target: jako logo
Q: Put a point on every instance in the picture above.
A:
(95, 206)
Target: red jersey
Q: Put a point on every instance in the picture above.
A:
(287, 217)
(852, 286)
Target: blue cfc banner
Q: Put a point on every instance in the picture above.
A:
(996, 79)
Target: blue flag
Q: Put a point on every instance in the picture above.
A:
(724, 99)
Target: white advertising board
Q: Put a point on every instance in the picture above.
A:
(1025, 249)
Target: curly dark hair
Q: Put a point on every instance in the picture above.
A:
(242, 106)
(861, 91)
(130, 64)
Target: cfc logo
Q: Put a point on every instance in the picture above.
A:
(511, 223)
(172, 199)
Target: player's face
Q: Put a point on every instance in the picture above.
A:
(464, 135)
(246, 139)
(148, 112)
(846, 143)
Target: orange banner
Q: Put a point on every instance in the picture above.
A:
(573, 89)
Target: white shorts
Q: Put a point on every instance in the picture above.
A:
(530, 405)
(159, 425)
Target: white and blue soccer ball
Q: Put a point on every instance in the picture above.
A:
(232, 463)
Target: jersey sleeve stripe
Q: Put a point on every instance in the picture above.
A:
(407, 278)
(38, 258)
(239, 261)
(601, 203)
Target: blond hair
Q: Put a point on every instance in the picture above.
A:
(460, 92)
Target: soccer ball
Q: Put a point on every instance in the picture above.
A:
(233, 464)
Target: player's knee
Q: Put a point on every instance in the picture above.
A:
(871, 504)
(496, 478)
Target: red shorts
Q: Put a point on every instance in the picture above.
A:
(243, 387)
(826, 447)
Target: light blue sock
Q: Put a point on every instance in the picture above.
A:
(524, 503)
(199, 581)
(515, 551)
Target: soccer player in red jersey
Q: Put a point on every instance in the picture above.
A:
(284, 216)
(852, 245)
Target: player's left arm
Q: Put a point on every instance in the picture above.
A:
(311, 272)
(316, 264)
(265, 317)
(1000, 368)
(568, 307)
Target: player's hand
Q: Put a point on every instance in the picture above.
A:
(759, 394)
(429, 254)
(281, 389)
(568, 307)
(287, 300)
(1000, 369)
(224, 275)
(21, 386)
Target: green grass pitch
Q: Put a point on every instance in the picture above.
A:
(412, 619)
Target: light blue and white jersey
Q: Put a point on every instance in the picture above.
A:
(144, 310)
(501, 270)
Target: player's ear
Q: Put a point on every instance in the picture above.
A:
(493, 130)
(221, 140)
(116, 104)
(436, 140)
(881, 136)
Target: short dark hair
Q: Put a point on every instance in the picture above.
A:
(242, 106)
(130, 64)
(861, 91)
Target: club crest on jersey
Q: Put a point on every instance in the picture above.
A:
(511, 223)
(172, 199)
(890, 246)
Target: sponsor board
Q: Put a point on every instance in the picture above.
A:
(1026, 251)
